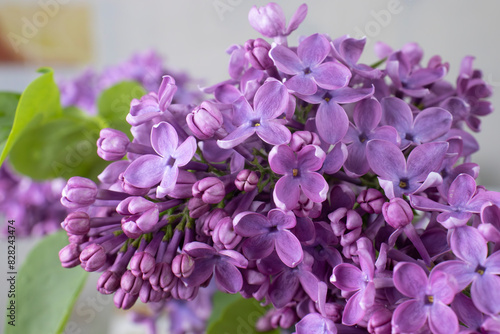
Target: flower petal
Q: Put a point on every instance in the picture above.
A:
(274, 132)
(332, 122)
(347, 277)
(409, 317)
(271, 100)
(249, 224)
(410, 279)
(286, 60)
(430, 124)
(353, 313)
(485, 293)
(145, 172)
(164, 139)
(314, 186)
(228, 277)
(288, 248)
(238, 136)
(258, 247)
(313, 50)
(310, 158)
(331, 75)
(287, 192)
(469, 245)
(282, 160)
(367, 114)
(302, 84)
(385, 159)
(424, 159)
(185, 152)
(442, 319)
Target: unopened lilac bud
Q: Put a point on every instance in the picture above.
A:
(147, 294)
(303, 138)
(184, 185)
(79, 192)
(112, 144)
(182, 265)
(284, 318)
(210, 189)
(211, 220)
(246, 180)
(257, 53)
(380, 322)
(397, 213)
(197, 207)
(142, 265)
(69, 256)
(124, 300)
(204, 120)
(93, 257)
(77, 223)
(77, 239)
(108, 282)
(162, 277)
(141, 212)
(130, 283)
(371, 200)
(183, 292)
(224, 235)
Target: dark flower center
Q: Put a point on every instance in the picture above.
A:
(429, 299)
(307, 70)
(403, 184)
(409, 137)
(480, 269)
(362, 137)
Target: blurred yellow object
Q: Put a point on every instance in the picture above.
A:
(46, 32)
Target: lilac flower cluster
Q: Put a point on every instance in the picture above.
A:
(35, 206)
(145, 68)
(341, 194)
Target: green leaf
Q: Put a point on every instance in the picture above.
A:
(220, 301)
(114, 104)
(45, 292)
(62, 147)
(239, 316)
(38, 103)
(8, 105)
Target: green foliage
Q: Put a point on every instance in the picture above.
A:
(234, 314)
(38, 103)
(114, 104)
(45, 292)
(8, 105)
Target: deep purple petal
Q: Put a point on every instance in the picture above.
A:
(145, 172)
(282, 160)
(228, 277)
(198, 249)
(367, 114)
(461, 271)
(313, 50)
(356, 162)
(347, 277)
(310, 158)
(314, 186)
(424, 159)
(310, 284)
(203, 269)
(443, 286)
(385, 159)
(258, 247)
(397, 113)
(332, 122)
(410, 279)
(283, 288)
(442, 319)
(353, 312)
(249, 224)
(281, 219)
(288, 248)
(409, 317)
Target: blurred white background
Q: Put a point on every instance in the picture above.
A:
(193, 35)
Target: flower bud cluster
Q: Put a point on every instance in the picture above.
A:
(308, 181)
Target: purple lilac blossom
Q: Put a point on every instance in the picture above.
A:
(355, 185)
